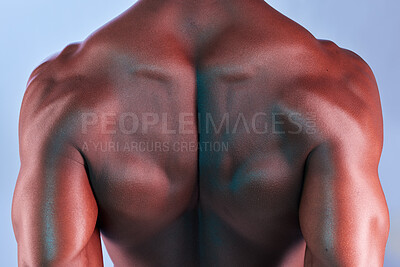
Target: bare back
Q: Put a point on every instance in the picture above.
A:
(197, 143)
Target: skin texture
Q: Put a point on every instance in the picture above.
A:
(298, 184)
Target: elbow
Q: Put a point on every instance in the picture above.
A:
(379, 232)
(371, 244)
(383, 223)
(37, 259)
(33, 256)
(361, 245)
(376, 238)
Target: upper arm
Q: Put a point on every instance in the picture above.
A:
(54, 212)
(343, 212)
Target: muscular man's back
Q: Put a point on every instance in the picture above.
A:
(232, 138)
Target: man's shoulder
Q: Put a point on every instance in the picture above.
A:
(347, 76)
(325, 69)
(333, 71)
(45, 79)
(339, 89)
(67, 74)
(53, 95)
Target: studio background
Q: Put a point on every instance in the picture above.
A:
(30, 31)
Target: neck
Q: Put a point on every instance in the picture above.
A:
(199, 21)
(198, 6)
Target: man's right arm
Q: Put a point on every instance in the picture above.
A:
(343, 213)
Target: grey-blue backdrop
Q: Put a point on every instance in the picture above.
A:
(32, 30)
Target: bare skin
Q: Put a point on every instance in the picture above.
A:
(298, 184)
